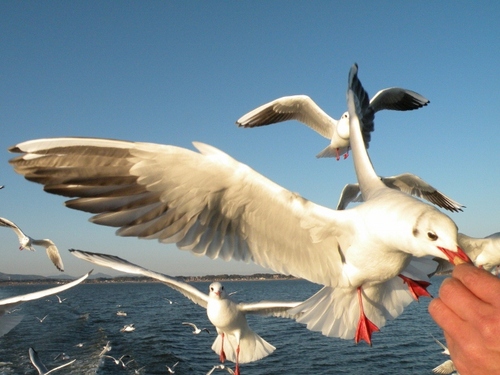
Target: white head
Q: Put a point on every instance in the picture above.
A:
(434, 233)
(216, 290)
(343, 126)
(25, 243)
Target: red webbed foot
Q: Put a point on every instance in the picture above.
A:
(418, 288)
(365, 326)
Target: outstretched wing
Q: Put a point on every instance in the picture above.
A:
(123, 265)
(205, 202)
(297, 107)
(270, 308)
(397, 99)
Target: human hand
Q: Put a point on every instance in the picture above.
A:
(468, 311)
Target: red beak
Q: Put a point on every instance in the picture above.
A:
(456, 257)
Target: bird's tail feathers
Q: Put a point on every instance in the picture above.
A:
(252, 347)
(335, 311)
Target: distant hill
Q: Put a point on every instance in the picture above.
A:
(60, 276)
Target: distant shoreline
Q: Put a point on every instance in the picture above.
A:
(141, 279)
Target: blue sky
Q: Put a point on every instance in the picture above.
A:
(174, 72)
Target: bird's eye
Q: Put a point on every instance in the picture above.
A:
(222, 288)
(212, 288)
(432, 236)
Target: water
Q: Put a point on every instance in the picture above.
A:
(88, 316)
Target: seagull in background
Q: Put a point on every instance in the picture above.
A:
(106, 348)
(196, 330)
(171, 369)
(128, 328)
(235, 341)
(302, 108)
(447, 367)
(41, 320)
(119, 361)
(42, 370)
(220, 367)
(407, 183)
(9, 322)
(60, 300)
(27, 243)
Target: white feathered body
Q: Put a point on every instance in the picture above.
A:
(225, 315)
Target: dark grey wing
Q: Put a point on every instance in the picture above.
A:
(397, 99)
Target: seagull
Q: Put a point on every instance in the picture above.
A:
(484, 253)
(121, 313)
(9, 322)
(408, 183)
(60, 300)
(128, 328)
(118, 361)
(106, 348)
(42, 370)
(27, 243)
(196, 330)
(235, 341)
(171, 369)
(210, 204)
(41, 320)
(302, 108)
(220, 367)
(447, 367)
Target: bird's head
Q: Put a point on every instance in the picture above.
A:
(25, 244)
(435, 234)
(216, 290)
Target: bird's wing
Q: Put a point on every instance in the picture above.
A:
(447, 367)
(52, 252)
(350, 193)
(37, 362)
(123, 265)
(397, 99)
(414, 185)
(270, 308)
(8, 303)
(9, 224)
(60, 367)
(204, 202)
(297, 107)
(472, 246)
(190, 324)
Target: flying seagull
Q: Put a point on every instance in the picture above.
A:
(27, 243)
(406, 182)
(302, 108)
(196, 330)
(9, 322)
(171, 369)
(235, 341)
(42, 370)
(210, 204)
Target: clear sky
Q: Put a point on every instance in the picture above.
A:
(174, 72)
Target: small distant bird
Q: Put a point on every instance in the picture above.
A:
(1, 186)
(60, 300)
(121, 313)
(196, 330)
(42, 370)
(119, 361)
(169, 300)
(220, 367)
(302, 108)
(27, 243)
(79, 345)
(9, 322)
(41, 320)
(171, 369)
(447, 367)
(128, 328)
(62, 356)
(106, 348)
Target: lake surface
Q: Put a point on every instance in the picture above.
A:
(88, 317)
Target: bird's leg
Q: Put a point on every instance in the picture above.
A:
(365, 326)
(337, 154)
(237, 367)
(222, 355)
(418, 288)
(346, 155)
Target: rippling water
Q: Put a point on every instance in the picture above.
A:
(88, 316)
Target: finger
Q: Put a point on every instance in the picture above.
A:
(481, 283)
(459, 299)
(444, 316)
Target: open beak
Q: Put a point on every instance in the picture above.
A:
(456, 257)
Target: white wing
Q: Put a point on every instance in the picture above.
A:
(8, 303)
(446, 367)
(205, 202)
(270, 308)
(52, 252)
(9, 224)
(296, 107)
(123, 265)
(397, 99)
